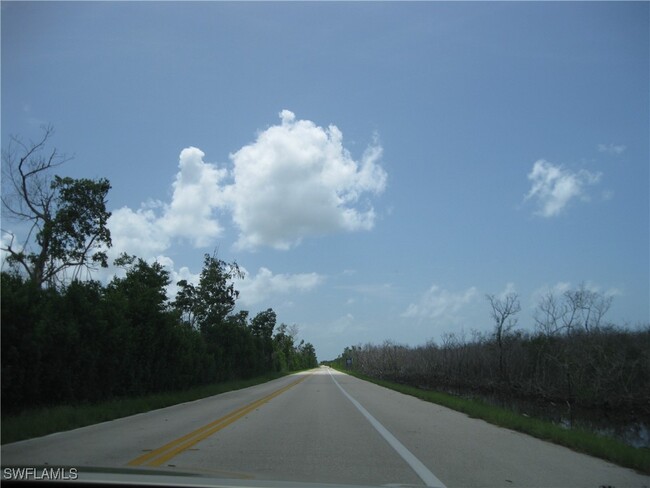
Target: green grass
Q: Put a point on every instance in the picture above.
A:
(42, 421)
(577, 439)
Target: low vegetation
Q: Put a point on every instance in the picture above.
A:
(42, 421)
(576, 439)
(573, 358)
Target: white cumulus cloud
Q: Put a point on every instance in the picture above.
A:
(137, 232)
(196, 196)
(297, 180)
(265, 284)
(553, 187)
(441, 305)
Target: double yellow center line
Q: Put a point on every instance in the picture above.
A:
(175, 447)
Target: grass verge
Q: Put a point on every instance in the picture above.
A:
(577, 439)
(38, 422)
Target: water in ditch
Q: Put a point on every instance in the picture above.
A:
(632, 428)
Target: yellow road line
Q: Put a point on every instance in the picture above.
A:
(175, 447)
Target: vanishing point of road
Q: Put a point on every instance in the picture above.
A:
(327, 427)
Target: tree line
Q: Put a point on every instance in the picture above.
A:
(572, 357)
(68, 340)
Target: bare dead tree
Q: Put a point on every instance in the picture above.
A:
(66, 218)
(550, 315)
(503, 313)
(586, 308)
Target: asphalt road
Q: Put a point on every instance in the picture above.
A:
(322, 426)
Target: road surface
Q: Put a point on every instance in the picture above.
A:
(322, 426)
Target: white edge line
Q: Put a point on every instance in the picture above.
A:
(421, 470)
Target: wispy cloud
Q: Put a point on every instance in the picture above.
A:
(614, 149)
(257, 288)
(441, 305)
(553, 187)
(561, 287)
(30, 119)
(509, 289)
(382, 290)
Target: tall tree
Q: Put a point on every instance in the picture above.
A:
(66, 217)
(586, 307)
(309, 359)
(213, 299)
(503, 313)
(262, 326)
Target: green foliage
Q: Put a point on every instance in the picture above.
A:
(207, 307)
(88, 343)
(261, 327)
(67, 217)
(288, 356)
(263, 324)
(22, 307)
(80, 222)
(308, 357)
(215, 296)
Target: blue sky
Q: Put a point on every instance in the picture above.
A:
(376, 168)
